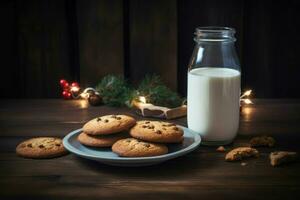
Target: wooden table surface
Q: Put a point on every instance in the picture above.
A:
(201, 174)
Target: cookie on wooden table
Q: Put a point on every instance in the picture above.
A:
(108, 124)
(41, 147)
(100, 140)
(241, 153)
(157, 131)
(262, 141)
(131, 147)
(281, 157)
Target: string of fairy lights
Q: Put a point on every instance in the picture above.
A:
(73, 91)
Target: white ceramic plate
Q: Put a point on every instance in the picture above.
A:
(106, 156)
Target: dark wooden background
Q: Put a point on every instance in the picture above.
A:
(42, 41)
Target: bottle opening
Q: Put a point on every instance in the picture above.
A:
(215, 33)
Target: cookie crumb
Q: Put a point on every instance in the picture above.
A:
(280, 157)
(241, 153)
(221, 149)
(262, 141)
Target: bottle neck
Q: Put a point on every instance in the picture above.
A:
(214, 34)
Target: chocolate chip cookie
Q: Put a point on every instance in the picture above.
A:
(100, 140)
(132, 147)
(41, 147)
(157, 131)
(108, 124)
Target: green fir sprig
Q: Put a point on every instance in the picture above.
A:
(115, 91)
(157, 93)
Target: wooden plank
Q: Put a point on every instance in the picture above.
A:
(195, 13)
(153, 40)
(43, 47)
(100, 29)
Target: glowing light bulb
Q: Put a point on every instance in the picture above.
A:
(247, 101)
(142, 99)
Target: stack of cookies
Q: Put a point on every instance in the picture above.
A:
(148, 138)
(106, 130)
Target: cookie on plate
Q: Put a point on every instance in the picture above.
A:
(41, 147)
(131, 147)
(157, 131)
(241, 153)
(108, 124)
(100, 140)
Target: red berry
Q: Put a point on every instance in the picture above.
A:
(75, 84)
(66, 94)
(62, 82)
(65, 85)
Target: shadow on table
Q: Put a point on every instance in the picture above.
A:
(182, 166)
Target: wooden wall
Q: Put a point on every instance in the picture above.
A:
(84, 40)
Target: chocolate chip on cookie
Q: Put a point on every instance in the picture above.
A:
(146, 145)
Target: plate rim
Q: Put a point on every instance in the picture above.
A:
(76, 151)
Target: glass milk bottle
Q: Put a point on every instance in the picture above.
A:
(214, 79)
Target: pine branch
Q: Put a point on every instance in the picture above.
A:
(157, 93)
(114, 90)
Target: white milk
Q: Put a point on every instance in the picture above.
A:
(213, 103)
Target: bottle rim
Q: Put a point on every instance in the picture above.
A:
(215, 33)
